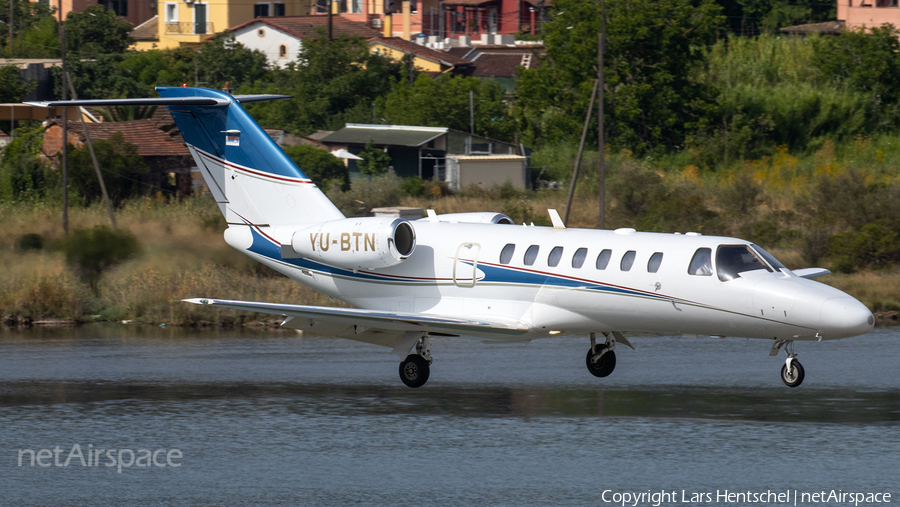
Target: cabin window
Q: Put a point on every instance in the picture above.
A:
(732, 260)
(701, 263)
(627, 260)
(531, 254)
(578, 258)
(603, 259)
(654, 262)
(507, 253)
(555, 256)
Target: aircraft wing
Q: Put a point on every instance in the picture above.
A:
(362, 320)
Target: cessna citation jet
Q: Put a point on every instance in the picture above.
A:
(479, 276)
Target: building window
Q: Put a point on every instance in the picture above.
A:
(507, 253)
(531, 254)
(603, 259)
(261, 32)
(171, 12)
(578, 258)
(120, 7)
(654, 262)
(282, 51)
(356, 6)
(278, 8)
(555, 256)
(261, 10)
(627, 260)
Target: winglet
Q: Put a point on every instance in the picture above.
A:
(554, 217)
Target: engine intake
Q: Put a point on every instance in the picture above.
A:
(357, 243)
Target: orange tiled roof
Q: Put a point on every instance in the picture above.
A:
(145, 134)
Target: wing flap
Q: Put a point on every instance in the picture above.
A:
(366, 319)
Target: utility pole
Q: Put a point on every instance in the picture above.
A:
(601, 167)
(65, 123)
(10, 48)
(587, 121)
(330, 7)
(472, 111)
(87, 137)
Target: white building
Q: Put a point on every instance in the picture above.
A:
(280, 38)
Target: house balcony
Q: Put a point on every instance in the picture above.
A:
(189, 28)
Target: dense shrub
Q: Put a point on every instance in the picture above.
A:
(92, 251)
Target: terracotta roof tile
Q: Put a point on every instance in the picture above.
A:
(147, 31)
(308, 26)
(145, 134)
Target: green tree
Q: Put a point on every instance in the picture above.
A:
(12, 87)
(96, 30)
(34, 30)
(222, 60)
(166, 67)
(651, 47)
(333, 82)
(122, 169)
(321, 166)
(864, 59)
(416, 105)
(22, 175)
(375, 162)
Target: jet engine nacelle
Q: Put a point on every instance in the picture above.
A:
(357, 243)
(477, 217)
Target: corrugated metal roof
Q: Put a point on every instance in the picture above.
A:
(485, 158)
(384, 135)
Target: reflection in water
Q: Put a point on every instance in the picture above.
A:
(273, 418)
(832, 406)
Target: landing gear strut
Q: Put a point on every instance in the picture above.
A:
(601, 359)
(414, 370)
(792, 372)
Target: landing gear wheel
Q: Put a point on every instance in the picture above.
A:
(794, 377)
(605, 365)
(414, 371)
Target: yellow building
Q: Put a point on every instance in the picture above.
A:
(424, 58)
(190, 22)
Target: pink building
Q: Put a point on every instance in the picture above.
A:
(868, 13)
(447, 18)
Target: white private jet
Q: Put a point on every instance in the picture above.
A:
(479, 276)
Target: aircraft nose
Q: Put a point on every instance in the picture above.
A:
(845, 317)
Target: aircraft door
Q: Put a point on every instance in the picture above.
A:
(465, 265)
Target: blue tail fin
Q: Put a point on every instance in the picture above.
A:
(252, 179)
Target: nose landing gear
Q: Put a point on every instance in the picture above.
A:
(601, 359)
(792, 372)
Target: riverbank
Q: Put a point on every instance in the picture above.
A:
(185, 256)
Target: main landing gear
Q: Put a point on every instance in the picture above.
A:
(601, 359)
(792, 371)
(414, 370)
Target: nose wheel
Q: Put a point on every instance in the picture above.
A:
(601, 359)
(792, 372)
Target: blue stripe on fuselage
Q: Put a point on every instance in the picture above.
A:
(493, 274)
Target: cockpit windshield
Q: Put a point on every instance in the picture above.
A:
(731, 260)
(769, 258)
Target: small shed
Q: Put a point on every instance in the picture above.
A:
(486, 171)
